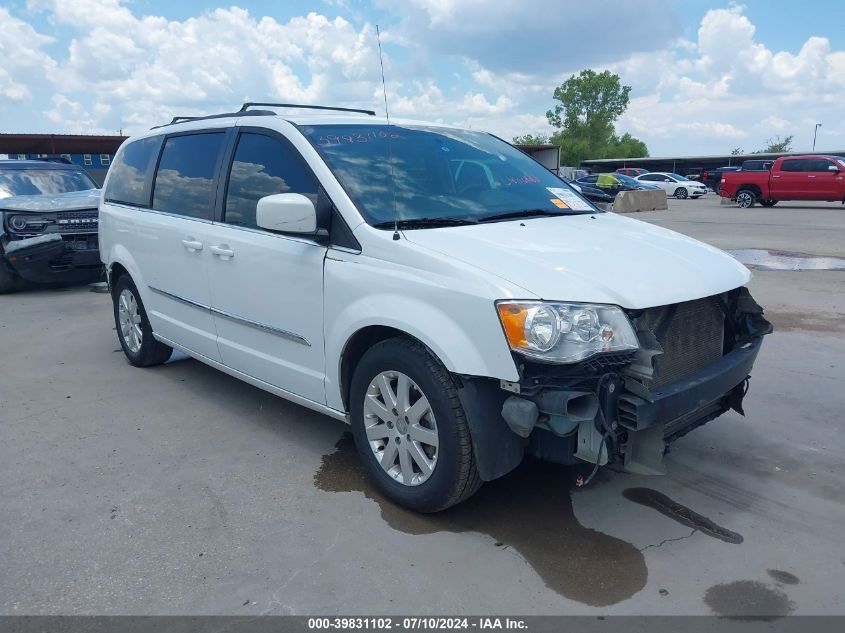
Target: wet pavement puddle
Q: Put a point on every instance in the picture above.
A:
(528, 511)
(683, 515)
(762, 259)
(748, 599)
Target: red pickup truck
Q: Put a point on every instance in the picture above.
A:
(791, 178)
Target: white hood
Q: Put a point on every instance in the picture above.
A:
(601, 258)
(48, 203)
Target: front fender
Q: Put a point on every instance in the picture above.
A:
(461, 328)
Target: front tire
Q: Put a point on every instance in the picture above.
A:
(9, 281)
(681, 193)
(745, 199)
(133, 327)
(410, 429)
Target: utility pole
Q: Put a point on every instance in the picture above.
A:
(815, 131)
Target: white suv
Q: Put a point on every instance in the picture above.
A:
(455, 302)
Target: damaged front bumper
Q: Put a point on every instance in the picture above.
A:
(54, 258)
(629, 408)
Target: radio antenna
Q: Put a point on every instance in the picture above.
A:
(389, 144)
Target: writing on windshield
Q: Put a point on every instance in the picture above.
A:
(404, 172)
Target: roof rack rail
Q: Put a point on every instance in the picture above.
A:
(250, 104)
(185, 119)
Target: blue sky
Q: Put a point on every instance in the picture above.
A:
(706, 76)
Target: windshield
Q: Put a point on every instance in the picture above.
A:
(29, 182)
(438, 173)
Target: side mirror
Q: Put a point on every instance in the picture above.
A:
(287, 212)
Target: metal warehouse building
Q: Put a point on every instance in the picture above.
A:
(94, 153)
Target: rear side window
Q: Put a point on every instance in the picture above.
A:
(127, 177)
(184, 182)
(793, 165)
(263, 166)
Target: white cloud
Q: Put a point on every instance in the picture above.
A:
(499, 61)
(24, 61)
(699, 97)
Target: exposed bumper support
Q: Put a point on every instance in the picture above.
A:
(691, 394)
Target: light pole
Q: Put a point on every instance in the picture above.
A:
(815, 131)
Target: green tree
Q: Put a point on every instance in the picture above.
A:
(531, 139)
(776, 146)
(589, 104)
(736, 151)
(625, 146)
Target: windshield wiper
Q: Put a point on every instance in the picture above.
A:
(419, 223)
(524, 213)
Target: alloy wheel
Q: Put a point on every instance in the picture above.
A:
(129, 317)
(744, 200)
(400, 428)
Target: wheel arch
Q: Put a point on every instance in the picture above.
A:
(755, 189)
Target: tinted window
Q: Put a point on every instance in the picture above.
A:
(184, 182)
(793, 165)
(649, 177)
(127, 175)
(818, 164)
(263, 166)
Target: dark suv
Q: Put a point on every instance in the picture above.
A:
(48, 223)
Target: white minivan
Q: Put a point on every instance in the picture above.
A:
(456, 303)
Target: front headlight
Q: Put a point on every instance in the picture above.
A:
(29, 222)
(565, 332)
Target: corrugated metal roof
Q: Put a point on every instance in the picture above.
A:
(59, 143)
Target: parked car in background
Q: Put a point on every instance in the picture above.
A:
(674, 184)
(694, 173)
(633, 172)
(819, 178)
(593, 194)
(374, 272)
(613, 183)
(711, 177)
(571, 173)
(757, 165)
(48, 224)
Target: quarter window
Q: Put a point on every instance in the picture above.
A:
(127, 176)
(184, 182)
(263, 166)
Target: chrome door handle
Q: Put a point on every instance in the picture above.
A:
(222, 251)
(810, 176)
(192, 246)
(775, 176)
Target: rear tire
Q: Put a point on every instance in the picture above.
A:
(768, 203)
(745, 198)
(133, 327)
(421, 457)
(681, 193)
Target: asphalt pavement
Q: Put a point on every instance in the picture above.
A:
(180, 490)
